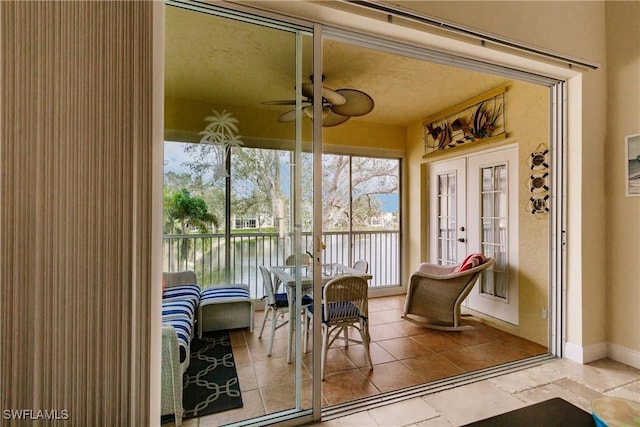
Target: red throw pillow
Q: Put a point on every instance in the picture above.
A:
(472, 260)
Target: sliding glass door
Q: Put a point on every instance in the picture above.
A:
(238, 134)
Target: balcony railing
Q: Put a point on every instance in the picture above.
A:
(218, 261)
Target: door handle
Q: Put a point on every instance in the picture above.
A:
(462, 240)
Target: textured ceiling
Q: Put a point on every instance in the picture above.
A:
(227, 62)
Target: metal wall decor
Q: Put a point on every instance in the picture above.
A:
(480, 119)
(538, 203)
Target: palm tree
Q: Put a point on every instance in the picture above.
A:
(183, 212)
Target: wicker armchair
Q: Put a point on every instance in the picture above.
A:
(436, 292)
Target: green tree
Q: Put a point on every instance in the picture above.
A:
(182, 212)
(355, 180)
(256, 181)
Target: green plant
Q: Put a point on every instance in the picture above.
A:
(182, 212)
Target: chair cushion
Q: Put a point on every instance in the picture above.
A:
(341, 310)
(282, 300)
(471, 261)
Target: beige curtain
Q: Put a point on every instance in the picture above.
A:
(75, 210)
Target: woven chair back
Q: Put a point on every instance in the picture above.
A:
(268, 285)
(345, 299)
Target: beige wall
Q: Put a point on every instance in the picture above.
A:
(370, 135)
(527, 112)
(576, 29)
(623, 213)
(185, 118)
(603, 250)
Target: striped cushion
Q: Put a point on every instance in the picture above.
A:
(189, 293)
(222, 293)
(471, 261)
(179, 315)
(178, 307)
(341, 310)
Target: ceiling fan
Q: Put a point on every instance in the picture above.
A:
(338, 105)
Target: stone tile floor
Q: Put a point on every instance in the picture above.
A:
(575, 383)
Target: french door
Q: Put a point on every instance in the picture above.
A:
(473, 207)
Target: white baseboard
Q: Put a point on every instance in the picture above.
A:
(624, 355)
(599, 351)
(585, 354)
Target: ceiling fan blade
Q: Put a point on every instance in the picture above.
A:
(333, 119)
(330, 95)
(358, 103)
(289, 116)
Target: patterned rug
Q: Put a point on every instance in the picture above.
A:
(211, 381)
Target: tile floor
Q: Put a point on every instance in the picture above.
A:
(403, 354)
(575, 383)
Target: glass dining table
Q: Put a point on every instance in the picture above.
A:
(286, 274)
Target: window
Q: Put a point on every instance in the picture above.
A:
(361, 211)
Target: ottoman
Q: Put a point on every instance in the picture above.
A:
(225, 307)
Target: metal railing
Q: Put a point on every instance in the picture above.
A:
(211, 255)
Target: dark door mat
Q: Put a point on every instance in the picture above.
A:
(552, 412)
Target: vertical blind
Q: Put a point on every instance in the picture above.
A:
(75, 211)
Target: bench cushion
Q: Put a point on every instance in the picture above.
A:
(218, 294)
(225, 307)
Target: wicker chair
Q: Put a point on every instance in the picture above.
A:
(436, 292)
(276, 304)
(344, 304)
(361, 265)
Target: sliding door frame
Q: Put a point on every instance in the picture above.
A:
(558, 142)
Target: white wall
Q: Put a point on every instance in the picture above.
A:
(623, 213)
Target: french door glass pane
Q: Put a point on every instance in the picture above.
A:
(447, 219)
(494, 229)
